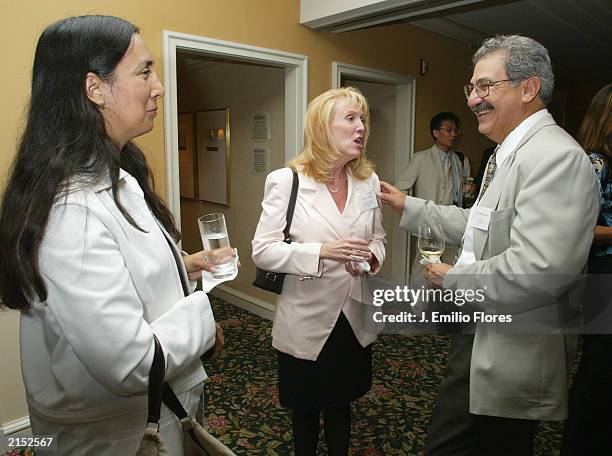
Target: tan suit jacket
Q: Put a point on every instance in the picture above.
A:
(544, 202)
(307, 310)
(426, 177)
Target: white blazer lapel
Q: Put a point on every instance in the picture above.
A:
(322, 202)
(353, 209)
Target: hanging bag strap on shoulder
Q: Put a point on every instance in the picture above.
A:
(273, 281)
(291, 207)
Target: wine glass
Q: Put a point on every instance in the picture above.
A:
(431, 242)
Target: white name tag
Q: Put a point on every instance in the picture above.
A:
(480, 217)
(367, 201)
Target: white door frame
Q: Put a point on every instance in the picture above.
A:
(404, 143)
(296, 94)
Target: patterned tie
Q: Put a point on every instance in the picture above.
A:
(491, 167)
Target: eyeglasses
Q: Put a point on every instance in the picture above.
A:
(482, 86)
(457, 131)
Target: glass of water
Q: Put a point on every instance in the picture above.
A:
(217, 248)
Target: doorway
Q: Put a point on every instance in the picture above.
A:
(390, 146)
(233, 113)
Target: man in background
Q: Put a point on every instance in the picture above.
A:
(437, 174)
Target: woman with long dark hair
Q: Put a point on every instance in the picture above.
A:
(590, 403)
(88, 248)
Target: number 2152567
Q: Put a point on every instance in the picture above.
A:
(48, 442)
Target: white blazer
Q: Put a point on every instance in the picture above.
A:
(315, 290)
(86, 351)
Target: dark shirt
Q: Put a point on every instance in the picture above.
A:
(601, 165)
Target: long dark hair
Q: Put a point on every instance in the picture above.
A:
(64, 137)
(595, 133)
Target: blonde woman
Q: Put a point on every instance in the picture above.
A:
(324, 354)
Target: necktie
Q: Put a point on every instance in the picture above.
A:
(446, 164)
(491, 168)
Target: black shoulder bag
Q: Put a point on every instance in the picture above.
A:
(273, 281)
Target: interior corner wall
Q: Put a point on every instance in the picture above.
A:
(271, 24)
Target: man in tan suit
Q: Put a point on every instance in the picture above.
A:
(533, 221)
(436, 174)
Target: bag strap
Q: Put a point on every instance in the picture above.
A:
(291, 207)
(461, 157)
(173, 403)
(160, 391)
(156, 380)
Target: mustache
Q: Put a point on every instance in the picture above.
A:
(482, 106)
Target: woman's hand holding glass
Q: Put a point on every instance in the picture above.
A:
(345, 250)
(349, 251)
(358, 267)
(196, 263)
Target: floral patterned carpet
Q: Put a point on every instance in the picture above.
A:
(392, 419)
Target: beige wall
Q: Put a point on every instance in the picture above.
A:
(265, 23)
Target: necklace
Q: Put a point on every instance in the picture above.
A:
(333, 190)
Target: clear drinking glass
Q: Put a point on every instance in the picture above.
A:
(215, 239)
(359, 262)
(431, 242)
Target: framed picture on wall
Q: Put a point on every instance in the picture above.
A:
(187, 159)
(213, 155)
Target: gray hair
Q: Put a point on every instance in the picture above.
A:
(525, 57)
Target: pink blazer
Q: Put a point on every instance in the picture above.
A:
(315, 291)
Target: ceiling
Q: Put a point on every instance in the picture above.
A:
(577, 33)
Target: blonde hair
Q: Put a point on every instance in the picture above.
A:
(320, 151)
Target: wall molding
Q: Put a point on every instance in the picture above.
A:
(15, 426)
(253, 305)
(296, 94)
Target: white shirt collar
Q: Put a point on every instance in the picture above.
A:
(104, 182)
(515, 136)
(443, 155)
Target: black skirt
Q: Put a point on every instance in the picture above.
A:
(341, 373)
